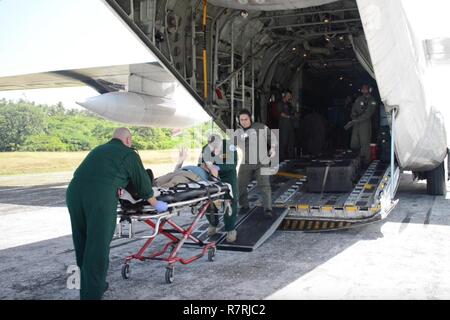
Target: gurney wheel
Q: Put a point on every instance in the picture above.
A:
(211, 254)
(169, 274)
(126, 271)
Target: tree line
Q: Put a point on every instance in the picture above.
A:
(27, 126)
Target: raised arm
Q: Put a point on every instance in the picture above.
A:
(182, 156)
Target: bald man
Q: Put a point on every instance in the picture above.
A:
(92, 198)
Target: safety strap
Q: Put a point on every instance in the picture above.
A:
(195, 182)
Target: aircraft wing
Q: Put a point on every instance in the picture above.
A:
(102, 79)
(144, 86)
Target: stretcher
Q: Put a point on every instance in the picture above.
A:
(199, 197)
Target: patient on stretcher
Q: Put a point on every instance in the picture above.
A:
(185, 183)
(176, 186)
(181, 175)
(187, 174)
(205, 171)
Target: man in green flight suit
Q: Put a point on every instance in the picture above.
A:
(92, 198)
(362, 111)
(223, 154)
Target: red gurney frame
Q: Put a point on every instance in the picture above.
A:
(157, 222)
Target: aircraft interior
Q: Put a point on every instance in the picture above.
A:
(237, 54)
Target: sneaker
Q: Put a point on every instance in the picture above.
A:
(231, 236)
(212, 231)
(268, 214)
(243, 210)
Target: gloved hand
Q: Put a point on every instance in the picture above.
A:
(161, 206)
(216, 167)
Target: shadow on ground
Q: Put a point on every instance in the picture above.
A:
(49, 195)
(38, 270)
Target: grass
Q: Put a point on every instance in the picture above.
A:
(18, 163)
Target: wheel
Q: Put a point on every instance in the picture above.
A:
(126, 271)
(211, 254)
(169, 274)
(436, 180)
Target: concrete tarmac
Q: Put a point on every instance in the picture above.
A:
(403, 257)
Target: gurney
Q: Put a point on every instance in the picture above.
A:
(198, 197)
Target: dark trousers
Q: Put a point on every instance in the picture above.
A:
(245, 175)
(287, 139)
(361, 135)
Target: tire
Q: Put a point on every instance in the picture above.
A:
(211, 254)
(126, 271)
(169, 275)
(436, 180)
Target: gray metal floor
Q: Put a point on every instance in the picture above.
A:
(405, 257)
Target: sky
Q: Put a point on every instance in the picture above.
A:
(45, 35)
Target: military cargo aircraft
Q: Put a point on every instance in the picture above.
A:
(209, 59)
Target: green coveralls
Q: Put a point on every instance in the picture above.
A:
(92, 202)
(227, 174)
(361, 114)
